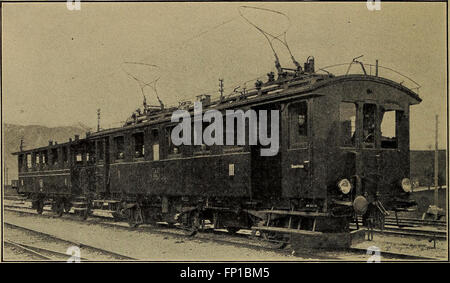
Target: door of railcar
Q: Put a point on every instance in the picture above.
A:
(83, 177)
(266, 170)
(296, 144)
(101, 165)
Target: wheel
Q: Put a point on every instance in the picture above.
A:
(82, 214)
(190, 223)
(85, 214)
(40, 206)
(233, 230)
(67, 205)
(59, 208)
(134, 217)
(131, 218)
(116, 216)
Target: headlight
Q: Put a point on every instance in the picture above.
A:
(345, 186)
(406, 185)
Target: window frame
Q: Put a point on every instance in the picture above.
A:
(100, 149)
(37, 159)
(376, 134)
(302, 141)
(398, 113)
(133, 138)
(357, 131)
(44, 155)
(21, 161)
(116, 149)
(29, 160)
(154, 139)
(170, 145)
(65, 154)
(54, 161)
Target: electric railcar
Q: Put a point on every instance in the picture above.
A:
(343, 152)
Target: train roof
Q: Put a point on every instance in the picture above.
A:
(282, 89)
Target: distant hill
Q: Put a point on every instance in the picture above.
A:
(33, 136)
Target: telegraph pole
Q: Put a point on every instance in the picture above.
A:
(436, 166)
(221, 88)
(98, 120)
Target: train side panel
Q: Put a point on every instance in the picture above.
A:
(222, 176)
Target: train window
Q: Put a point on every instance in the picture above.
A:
(64, 154)
(230, 133)
(369, 111)
(156, 151)
(90, 154)
(155, 146)
(231, 169)
(203, 148)
(388, 129)
(54, 156)
(120, 147)
(100, 151)
(172, 149)
(29, 161)
(139, 150)
(20, 162)
(79, 157)
(298, 123)
(44, 157)
(347, 119)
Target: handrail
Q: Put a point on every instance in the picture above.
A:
(416, 85)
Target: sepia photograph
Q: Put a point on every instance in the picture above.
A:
(192, 132)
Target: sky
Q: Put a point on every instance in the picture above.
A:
(60, 66)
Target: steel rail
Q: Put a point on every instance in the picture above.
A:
(78, 244)
(25, 249)
(201, 236)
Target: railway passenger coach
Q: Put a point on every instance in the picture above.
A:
(344, 151)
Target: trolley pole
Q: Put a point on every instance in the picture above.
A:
(436, 166)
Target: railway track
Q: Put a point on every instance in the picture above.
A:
(390, 228)
(26, 250)
(412, 222)
(410, 232)
(219, 236)
(430, 234)
(14, 197)
(48, 254)
(390, 255)
(390, 220)
(42, 253)
(240, 239)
